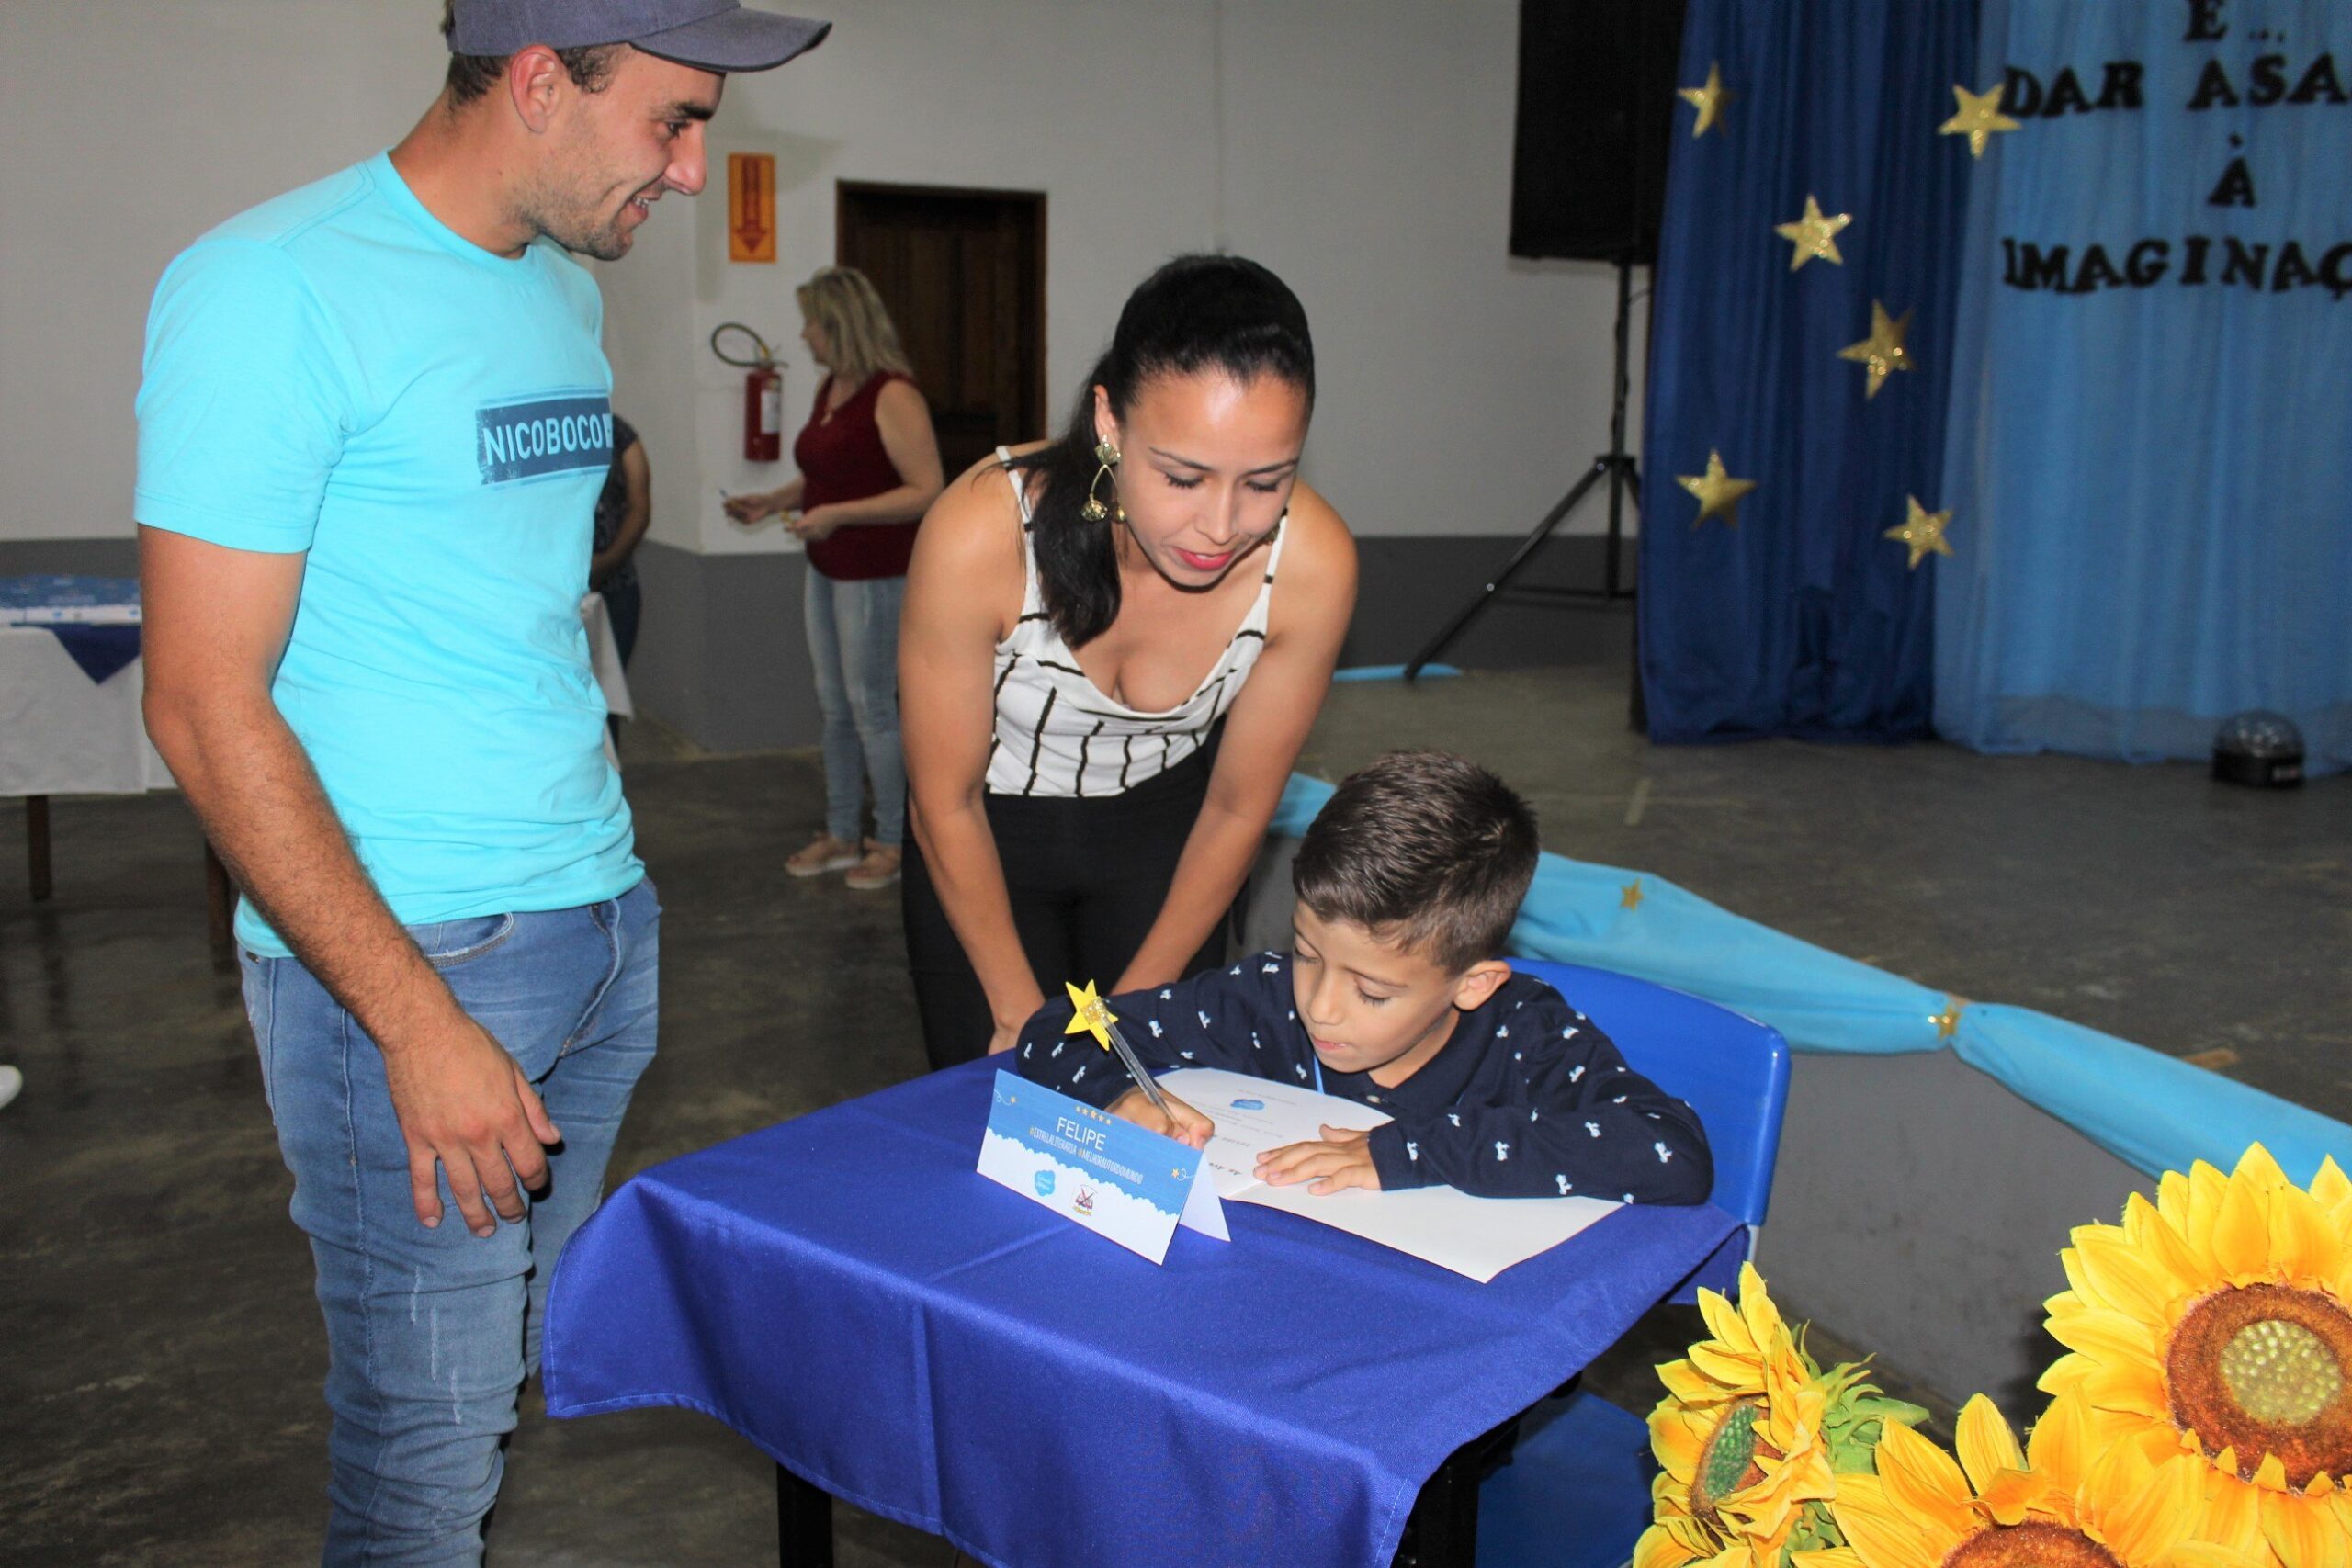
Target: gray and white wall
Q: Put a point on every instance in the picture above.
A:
(1359, 147)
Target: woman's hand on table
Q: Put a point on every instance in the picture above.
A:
(1181, 1123)
(1343, 1159)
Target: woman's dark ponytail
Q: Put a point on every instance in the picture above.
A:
(1198, 312)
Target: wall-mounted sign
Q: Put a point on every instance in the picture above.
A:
(751, 207)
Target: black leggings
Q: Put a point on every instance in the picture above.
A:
(1087, 878)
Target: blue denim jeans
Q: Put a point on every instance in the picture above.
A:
(854, 643)
(431, 1333)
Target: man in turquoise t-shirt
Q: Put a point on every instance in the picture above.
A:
(373, 426)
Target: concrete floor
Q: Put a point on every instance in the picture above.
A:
(160, 1354)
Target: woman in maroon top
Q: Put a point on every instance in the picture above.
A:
(869, 467)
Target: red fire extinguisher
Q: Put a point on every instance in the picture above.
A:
(762, 395)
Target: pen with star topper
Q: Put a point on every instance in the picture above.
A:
(1093, 1017)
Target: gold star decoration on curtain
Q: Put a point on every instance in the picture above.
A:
(1813, 234)
(1980, 116)
(1922, 530)
(1718, 493)
(1709, 101)
(1882, 351)
(1631, 894)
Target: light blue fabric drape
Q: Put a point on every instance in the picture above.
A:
(2151, 465)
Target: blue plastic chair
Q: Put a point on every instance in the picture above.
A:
(1576, 1491)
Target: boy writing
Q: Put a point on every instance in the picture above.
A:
(1408, 885)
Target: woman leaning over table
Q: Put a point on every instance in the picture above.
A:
(869, 465)
(1115, 644)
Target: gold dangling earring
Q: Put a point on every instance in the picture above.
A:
(1094, 511)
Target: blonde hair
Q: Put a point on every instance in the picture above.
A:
(842, 300)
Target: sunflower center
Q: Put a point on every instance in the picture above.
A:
(2280, 1371)
(2261, 1370)
(1729, 1465)
(2030, 1545)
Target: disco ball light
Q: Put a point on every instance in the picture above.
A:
(2263, 750)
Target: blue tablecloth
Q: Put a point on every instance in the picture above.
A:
(844, 1291)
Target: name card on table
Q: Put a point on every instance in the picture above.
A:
(1112, 1177)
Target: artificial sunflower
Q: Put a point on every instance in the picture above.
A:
(2062, 1504)
(2214, 1322)
(1750, 1438)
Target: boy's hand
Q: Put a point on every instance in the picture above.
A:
(1343, 1159)
(1184, 1123)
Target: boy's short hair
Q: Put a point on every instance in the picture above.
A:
(1422, 847)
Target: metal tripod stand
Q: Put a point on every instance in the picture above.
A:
(1615, 466)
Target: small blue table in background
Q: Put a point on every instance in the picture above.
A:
(847, 1292)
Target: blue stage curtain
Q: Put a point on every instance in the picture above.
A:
(2151, 455)
(1805, 620)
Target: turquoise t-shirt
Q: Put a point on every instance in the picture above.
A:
(339, 374)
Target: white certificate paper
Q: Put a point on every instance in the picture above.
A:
(1478, 1238)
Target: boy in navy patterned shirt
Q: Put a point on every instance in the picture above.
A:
(1408, 885)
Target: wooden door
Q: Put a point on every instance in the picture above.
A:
(963, 272)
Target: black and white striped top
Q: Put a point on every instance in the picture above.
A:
(1057, 734)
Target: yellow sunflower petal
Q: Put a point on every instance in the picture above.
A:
(1986, 1445)
(1687, 1385)
(2207, 1188)
(2331, 1188)
(2304, 1244)
(2205, 1554)
(2060, 1445)
(2144, 1516)
(1679, 1446)
(1658, 1549)
(2232, 1515)
(2014, 1494)
(1763, 1319)
(2105, 1334)
(1881, 1533)
(2119, 1275)
(1827, 1557)
(2258, 1166)
(2241, 1238)
(1723, 1322)
(2152, 1234)
(1921, 1478)
(1738, 1372)
(2172, 1199)
(2303, 1534)
(2137, 1386)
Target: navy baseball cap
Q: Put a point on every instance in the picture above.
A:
(709, 35)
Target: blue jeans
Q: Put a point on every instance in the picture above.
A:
(431, 1333)
(854, 643)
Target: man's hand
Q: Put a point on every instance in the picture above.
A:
(1184, 1123)
(1343, 1159)
(465, 1106)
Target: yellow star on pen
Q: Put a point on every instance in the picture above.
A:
(1718, 493)
(1708, 100)
(1882, 351)
(1632, 893)
(1922, 530)
(1814, 234)
(1947, 1023)
(1092, 1016)
(1979, 115)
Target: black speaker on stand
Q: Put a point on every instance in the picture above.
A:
(1596, 112)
